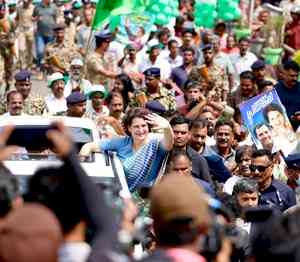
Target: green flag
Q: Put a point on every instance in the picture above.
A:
(107, 8)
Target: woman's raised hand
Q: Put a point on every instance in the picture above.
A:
(157, 122)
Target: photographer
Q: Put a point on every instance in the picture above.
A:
(74, 212)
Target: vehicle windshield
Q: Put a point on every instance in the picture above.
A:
(33, 144)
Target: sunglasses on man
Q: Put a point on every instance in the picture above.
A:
(259, 168)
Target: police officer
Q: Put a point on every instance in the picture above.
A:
(33, 104)
(58, 54)
(7, 50)
(154, 90)
(101, 64)
(212, 74)
(76, 103)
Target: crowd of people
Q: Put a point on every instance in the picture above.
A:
(168, 103)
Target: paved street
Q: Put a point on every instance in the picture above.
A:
(40, 87)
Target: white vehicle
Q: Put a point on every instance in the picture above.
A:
(104, 168)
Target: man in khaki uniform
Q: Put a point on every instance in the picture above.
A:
(26, 36)
(212, 74)
(154, 91)
(100, 63)
(33, 104)
(58, 54)
(7, 51)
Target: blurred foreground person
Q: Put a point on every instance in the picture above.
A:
(179, 223)
(10, 198)
(74, 199)
(29, 234)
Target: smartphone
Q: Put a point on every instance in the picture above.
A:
(260, 214)
(33, 137)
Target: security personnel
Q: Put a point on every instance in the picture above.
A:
(7, 48)
(33, 104)
(101, 65)
(76, 103)
(25, 29)
(154, 90)
(212, 74)
(59, 54)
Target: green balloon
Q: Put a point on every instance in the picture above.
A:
(163, 2)
(174, 3)
(175, 12)
(168, 11)
(161, 19)
(228, 16)
(155, 9)
(237, 14)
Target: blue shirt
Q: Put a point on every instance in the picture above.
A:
(123, 146)
(278, 195)
(179, 76)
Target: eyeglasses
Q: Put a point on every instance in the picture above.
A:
(260, 169)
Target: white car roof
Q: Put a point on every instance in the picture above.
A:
(43, 120)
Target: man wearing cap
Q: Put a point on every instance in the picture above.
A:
(154, 60)
(76, 81)
(77, 11)
(58, 55)
(76, 103)
(180, 219)
(56, 103)
(33, 104)
(24, 25)
(212, 74)
(101, 64)
(12, 10)
(108, 126)
(154, 90)
(45, 14)
(7, 48)
(96, 108)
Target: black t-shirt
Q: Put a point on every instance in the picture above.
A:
(290, 98)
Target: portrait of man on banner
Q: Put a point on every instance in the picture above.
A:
(266, 119)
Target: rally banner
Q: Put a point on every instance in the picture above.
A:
(267, 122)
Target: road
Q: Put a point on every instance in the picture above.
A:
(40, 87)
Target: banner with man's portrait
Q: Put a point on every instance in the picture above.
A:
(267, 122)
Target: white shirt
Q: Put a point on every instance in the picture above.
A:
(242, 64)
(163, 65)
(178, 61)
(85, 85)
(55, 105)
(8, 114)
(74, 252)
